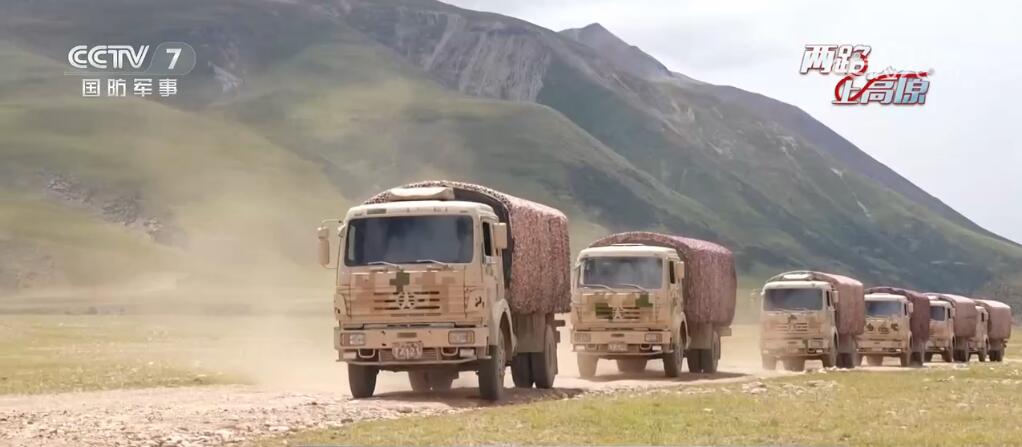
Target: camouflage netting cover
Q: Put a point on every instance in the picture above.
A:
(851, 305)
(1000, 319)
(920, 319)
(966, 315)
(537, 264)
(710, 285)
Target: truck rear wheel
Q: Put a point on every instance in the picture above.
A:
(982, 355)
(928, 357)
(521, 370)
(829, 359)
(945, 356)
(587, 365)
(874, 360)
(631, 366)
(544, 364)
(961, 356)
(491, 371)
(795, 364)
(419, 381)
(362, 380)
(996, 356)
(905, 359)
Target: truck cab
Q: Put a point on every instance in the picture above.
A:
(979, 344)
(627, 306)
(798, 323)
(888, 329)
(942, 330)
(420, 287)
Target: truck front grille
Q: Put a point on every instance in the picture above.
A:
(428, 355)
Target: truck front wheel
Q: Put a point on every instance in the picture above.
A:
(673, 360)
(362, 380)
(587, 365)
(491, 371)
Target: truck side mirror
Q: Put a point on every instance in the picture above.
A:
(576, 274)
(911, 308)
(323, 233)
(679, 270)
(500, 236)
(837, 297)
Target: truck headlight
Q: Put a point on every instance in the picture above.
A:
(582, 337)
(353, 339)
(652, 337)
(894, 326)
(461, 337)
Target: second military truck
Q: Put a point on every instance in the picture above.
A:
(811, 315)
(440, 277)
(897, 325)
(639, 296)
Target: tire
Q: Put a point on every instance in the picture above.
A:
(491, 372)
(694, 361)
(711, 357)
(905, 359)
(961, 356)
(874, 360)
(362, 380)
(544, 364)
(996, 356)
(587, 365)
(983, 355)
(521, 370)
(795, 364)
(928, 357)
(674, 359)
(631, 366)
(945, 357)
(707, 362)
(419, 381)
(916, 359)
(830, 359)
(769, 363)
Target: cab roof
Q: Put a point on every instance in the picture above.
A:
(797, 285)
(885, 297)
(421, 207)
(629, 250)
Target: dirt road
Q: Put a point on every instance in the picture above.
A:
(304, 393)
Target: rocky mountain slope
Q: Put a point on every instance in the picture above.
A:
(297, 108)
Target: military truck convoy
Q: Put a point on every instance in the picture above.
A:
(441, 277)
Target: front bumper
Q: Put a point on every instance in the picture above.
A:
(621, 342)
(874, 346)
(794, 347)
(377, 346)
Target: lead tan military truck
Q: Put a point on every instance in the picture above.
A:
(440, 277)
(882, 331)
(640, 296)
(999, 328)
(811, 316)
(963, 324)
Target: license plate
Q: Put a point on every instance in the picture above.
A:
(408, 351)
(617, 347)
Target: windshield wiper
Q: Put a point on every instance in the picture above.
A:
(635, 286)
(432, 261)
(389, 264)
(604, 286)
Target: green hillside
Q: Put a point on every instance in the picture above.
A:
(297, 110)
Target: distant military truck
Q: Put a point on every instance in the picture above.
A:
(942, 330)
(439, 277)
(999, 328)
(979, 345)
(811, 316)
(641, 296)
(877, 333)
(887, 332)
(964, 322)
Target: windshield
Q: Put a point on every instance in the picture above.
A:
(619, 272)
(883, 308)
(793, 299)
(409, 239)
(937, 313)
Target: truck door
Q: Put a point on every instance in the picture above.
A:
(493, 263)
